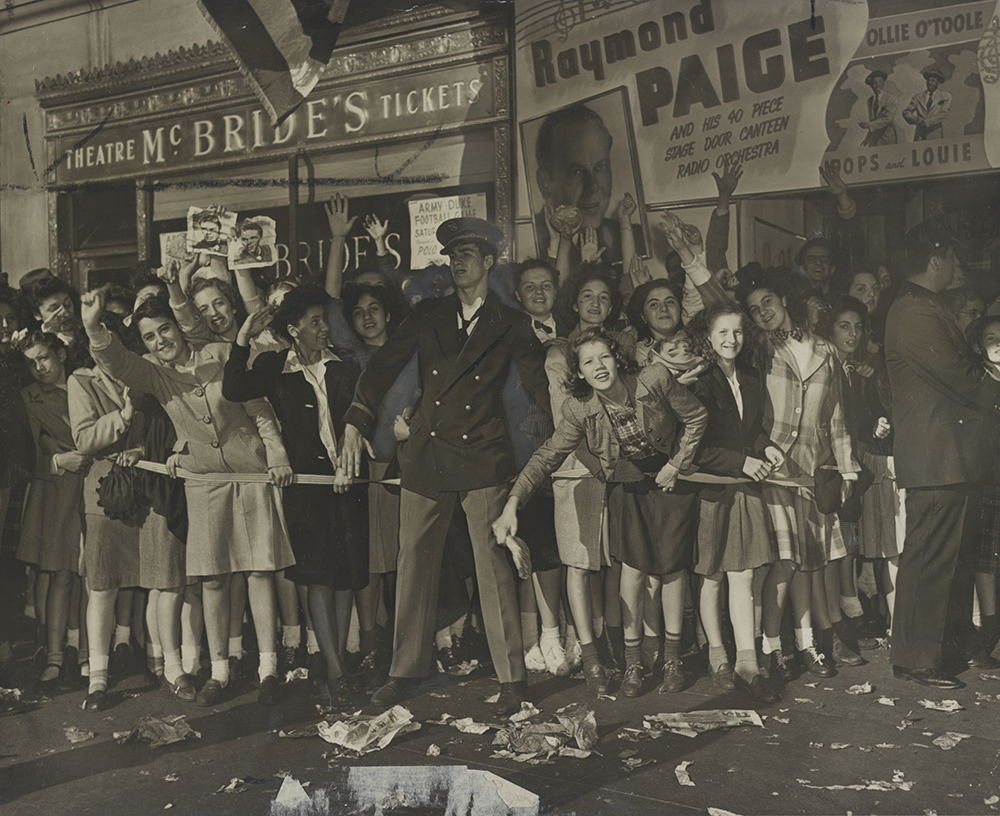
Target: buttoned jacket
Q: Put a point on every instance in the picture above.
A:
(48, 416)
(730, 439)
(941, 412)
(672, 419)
(294, 400)
(881, 114)
(928, 115)
(804, 414)
(458, 434)
(214, 434)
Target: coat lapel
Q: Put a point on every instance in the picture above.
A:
(489, 331)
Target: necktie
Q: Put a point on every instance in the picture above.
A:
(545, 327)
(795, 333)
(930, 100)
(876, 100)
(468, 322)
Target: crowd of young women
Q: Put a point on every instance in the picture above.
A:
(725, 450)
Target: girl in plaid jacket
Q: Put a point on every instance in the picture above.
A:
(804, 417)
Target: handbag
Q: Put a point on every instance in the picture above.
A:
(122, 495)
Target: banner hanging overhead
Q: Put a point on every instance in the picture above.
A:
(651, 98)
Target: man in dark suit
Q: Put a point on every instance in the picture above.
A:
(942, 415)
(459, 450)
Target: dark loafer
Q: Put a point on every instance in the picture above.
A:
(210, 694)
(632, 681)
(268, 694)
(96, 701)
(722, 677)
(184, 689)
(393, 692)
(758, 688)
(932, 678)
(596, 677)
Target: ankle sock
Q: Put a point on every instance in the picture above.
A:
(529, 629)
(851, 606)
(291, 636)
(671, 647)
(746, 664)
(549, 635)
(312, 645)
(771, 645)
(172, 667)
(442, 640)
(51, 672)
(220, 671)
(122, 635)
(633, 652)
(189, 658)
(235, 646)
(803, 639)
(98, 674)
(268, 665)
(717, 656)
(73, 638)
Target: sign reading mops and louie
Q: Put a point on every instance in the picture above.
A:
(653, 96)
(338, 116)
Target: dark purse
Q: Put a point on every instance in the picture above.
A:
(122, 494)
(828, 492)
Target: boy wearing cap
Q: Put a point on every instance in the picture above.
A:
(882, 107)
(928, 109)
(459, 451)
(941, 415)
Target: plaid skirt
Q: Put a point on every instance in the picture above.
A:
(804, 535)
(987, 496)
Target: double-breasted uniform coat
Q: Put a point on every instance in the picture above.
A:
(459, 449)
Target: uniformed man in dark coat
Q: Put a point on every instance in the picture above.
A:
(942, 415)
(459, 450)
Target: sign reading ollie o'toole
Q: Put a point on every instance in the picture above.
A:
(329, 117)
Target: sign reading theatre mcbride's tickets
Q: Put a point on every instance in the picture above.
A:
(782, 86)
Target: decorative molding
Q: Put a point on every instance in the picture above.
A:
(502, 191)
(501, 86)
(58, 265)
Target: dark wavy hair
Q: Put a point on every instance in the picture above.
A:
(703, 323)
(153, 308)
(974, 337)
(566, 316)
(354, 292)
(11, 298)
(37, 293)
(294, 307)
(533, 263)
(783, 282)
(841, 306)
(575, 384)
(634, 309)
(201, 284)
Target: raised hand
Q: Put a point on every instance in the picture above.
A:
(589, 252)
(639, 271)
(565, 220)
(626, 208)
(375, 228)
(832, 180)
(726, 183)
(693, 236)
(91, 306)
(337, 217)
(254, 325)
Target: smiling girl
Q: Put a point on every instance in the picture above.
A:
(641, 432)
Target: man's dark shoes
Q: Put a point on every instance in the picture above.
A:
(370, 675)
(632, 681)
(268, 694)
(511, 697)
(393, 692)
(762, 690)
(979, 658)
(596, 677)
(932, 678)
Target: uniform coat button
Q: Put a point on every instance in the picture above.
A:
(437, 402)
(477, 378)
(465, 436)
(434, 371)
(468, 407)
(433, 433)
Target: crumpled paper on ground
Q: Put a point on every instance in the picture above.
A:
(949, 740)
(897, 783)
(158, 732)
(459, 669)
(683, 777)
(863, 688)
(575, 723)
(693, 723)
(364, 734)
(75, 734)
(466, 725)
(240, 784)
(950, 706)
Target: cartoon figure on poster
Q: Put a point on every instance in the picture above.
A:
(882, 109)
(255, 243)
(208, 228)
(929, 109)
(582, 159)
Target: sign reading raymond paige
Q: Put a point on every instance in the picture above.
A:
(779, 86)
(707, 82)
(335, 116)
